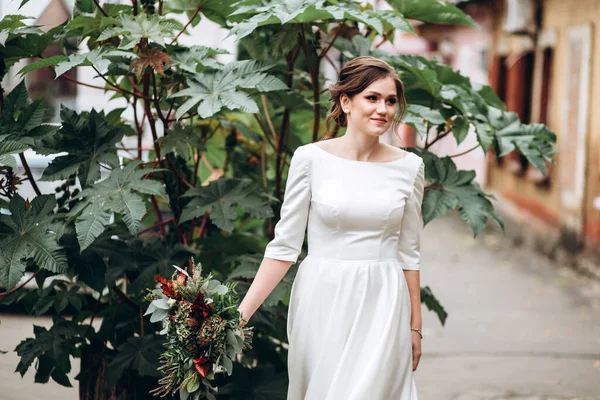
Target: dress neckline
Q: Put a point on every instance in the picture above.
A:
(362, 162)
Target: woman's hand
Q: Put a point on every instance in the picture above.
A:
(416, 349)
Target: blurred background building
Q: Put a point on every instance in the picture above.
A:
(539, 57)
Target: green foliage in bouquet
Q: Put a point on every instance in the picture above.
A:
(190, 160)
(204, 331)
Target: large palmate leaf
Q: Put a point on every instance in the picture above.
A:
(215, 10)
(25, 42)
(454, 189)
(138, 353)
(434, 11)
(52, 348)
(99, 58)
(185, 140)
(13, 25)
(144, 26)
(89, 140)
(212, 92)
(119, 193)
(534, 141)
(196, 59)
(304, 11)
(21, 123)
(29, 233)
(220, 199)
(155, 257)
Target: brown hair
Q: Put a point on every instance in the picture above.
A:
(355, 77)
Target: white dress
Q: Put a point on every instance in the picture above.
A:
(349, 315)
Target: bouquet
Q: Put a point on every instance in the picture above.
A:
(205, 331)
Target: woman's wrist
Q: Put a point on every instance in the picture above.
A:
(418, 331)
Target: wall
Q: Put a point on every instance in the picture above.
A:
(562, 212)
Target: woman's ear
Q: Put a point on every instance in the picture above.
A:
(345, 102)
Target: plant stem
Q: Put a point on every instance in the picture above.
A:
(285, 127)
(67, 77)
(134, 5)
(29, 174)
(120, 90)
(186, 25)
(21, 285)
(156, 102)
(126, 298)
(465, 152)
(267, 116)
(148, 113)
(324, 52)
(100, 8)
(189, 185)
(160, 224)
(439, 137)
(314, 78)
(165, 222)
(1, 99)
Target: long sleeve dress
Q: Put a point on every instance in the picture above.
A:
(348, 321)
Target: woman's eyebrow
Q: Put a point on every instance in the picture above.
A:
(379, 94)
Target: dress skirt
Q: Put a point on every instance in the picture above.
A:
(349, 332)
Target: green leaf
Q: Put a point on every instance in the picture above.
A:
(454, 189)
(212, 92)
(434, 11)
(99, 58)
(433, 304)
(185, 140)
(20, 122)
(119, 193)
(29, 233)
(89, 141)
(155, 257)
(139, 354)
(394, 21)
(535, 141)
(269, 13)
(460, 129)
(144, 26)
(42, 63)
(53, 349)
(9, 161)
(220, 199)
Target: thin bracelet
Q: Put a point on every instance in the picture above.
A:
(418, 331)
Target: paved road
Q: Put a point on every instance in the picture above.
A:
(519, 327)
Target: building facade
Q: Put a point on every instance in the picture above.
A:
(543, 61)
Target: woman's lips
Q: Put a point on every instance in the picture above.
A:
(378, 121)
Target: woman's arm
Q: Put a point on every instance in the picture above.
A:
(413, 280)
(269, 274)
(284, 249)
(414, 288)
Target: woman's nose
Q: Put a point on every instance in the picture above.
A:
(381, 107)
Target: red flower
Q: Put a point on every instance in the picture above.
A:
(200, 306)
(182, 278)
(202, 365)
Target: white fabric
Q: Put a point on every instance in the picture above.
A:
(349, 314)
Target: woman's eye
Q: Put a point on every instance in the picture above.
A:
(392, 101)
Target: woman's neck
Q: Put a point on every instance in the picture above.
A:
(359, 146)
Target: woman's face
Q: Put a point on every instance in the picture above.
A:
(372, 111)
